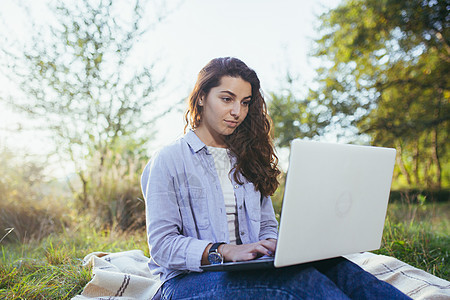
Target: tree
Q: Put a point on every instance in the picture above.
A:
(385, 73)
(79, 78)
(293, 116)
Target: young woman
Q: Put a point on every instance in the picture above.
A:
(208, 200)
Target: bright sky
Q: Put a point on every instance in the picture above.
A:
(271, 36)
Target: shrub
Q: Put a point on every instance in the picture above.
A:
(111, 196)
(31, 205)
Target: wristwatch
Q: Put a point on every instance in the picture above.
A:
(214, 257)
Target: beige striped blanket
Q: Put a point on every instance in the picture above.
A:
(125, 276)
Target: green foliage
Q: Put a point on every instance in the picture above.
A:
(293, 117)
(387, 76)
(384, 75)
(80, 80)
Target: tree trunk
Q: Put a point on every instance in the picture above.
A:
(84, 196)
(435, 157)
(428, 178)
(401, 164)
(415, 165)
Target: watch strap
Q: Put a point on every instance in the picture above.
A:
(214, 247)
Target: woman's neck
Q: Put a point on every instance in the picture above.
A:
(210, 140)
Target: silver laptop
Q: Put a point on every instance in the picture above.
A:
(334, 204)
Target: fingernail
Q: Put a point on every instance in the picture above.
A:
(269, 252)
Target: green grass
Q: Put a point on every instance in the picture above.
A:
(51, 268)
(417, 234)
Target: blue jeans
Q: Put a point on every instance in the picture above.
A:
(335, 278)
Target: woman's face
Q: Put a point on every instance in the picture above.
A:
(224, 109)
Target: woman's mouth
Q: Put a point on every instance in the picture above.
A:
(232, 124)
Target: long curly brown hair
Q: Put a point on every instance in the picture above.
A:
(251, 142)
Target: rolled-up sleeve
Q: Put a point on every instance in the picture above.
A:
(269, 224)
(168, 247)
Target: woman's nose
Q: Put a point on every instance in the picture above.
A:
(236, 109)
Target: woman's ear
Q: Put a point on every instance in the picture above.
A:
(201, 100)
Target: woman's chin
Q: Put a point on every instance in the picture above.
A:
(228, 130)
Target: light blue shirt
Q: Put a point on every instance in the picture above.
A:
(185, 208)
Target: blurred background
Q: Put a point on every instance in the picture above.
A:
(89, 89)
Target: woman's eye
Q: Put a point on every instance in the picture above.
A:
(226, 99)
(246, 103)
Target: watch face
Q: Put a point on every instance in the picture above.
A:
(215, 258)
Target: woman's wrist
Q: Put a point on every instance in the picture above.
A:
(222, 250)
(205, 260)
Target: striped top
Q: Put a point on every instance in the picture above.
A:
(223, 167)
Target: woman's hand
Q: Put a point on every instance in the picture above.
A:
(248, 251)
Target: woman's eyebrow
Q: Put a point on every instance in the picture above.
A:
(234, 95)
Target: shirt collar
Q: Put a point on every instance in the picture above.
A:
(193, 141)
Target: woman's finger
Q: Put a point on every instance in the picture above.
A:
(269, 245)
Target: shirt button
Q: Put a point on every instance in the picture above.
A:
(240, 206)
(236, 186)
(242, 233)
